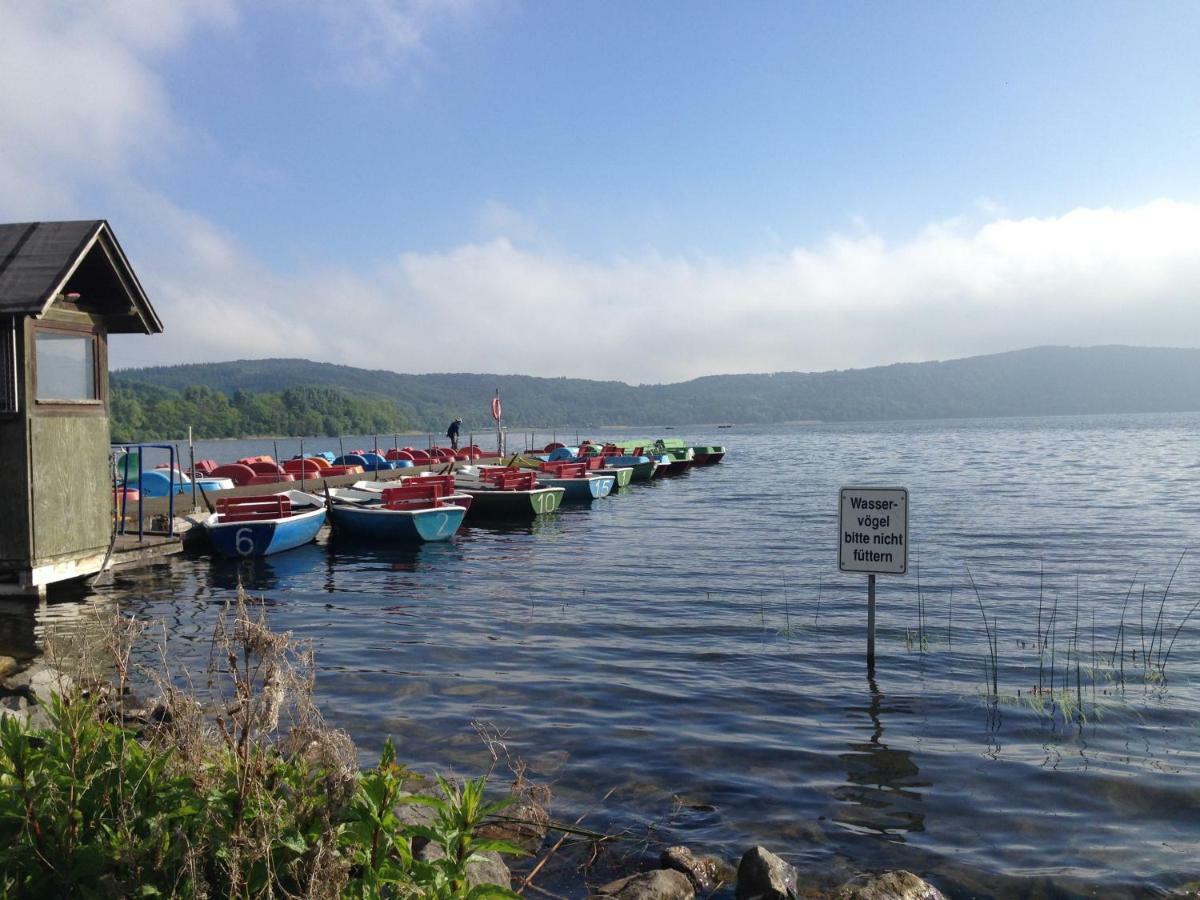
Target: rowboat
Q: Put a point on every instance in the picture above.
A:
(621, 472)
(407, 514)
(513, 494)
(641, 468)
(262, 525)
(708, 456)
(578, 484)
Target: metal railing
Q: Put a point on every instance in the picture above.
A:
(120, 462)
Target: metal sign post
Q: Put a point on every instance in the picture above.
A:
(873, 538)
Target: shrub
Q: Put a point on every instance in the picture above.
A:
(183, 800)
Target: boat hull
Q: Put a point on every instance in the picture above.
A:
(622, 474)
(581, 490)
(512, 505)
(237, 540)
(376, 523)
(708, 456)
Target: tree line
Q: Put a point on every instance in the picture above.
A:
(1035, 382)
(142, 411)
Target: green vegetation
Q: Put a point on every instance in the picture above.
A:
(142, 411)
(182, 801)
(1040, 381)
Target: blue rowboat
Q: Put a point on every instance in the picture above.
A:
(373, 521)
(262, 525)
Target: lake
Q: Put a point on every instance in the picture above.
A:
(691, 644)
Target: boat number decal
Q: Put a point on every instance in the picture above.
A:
(243, 542)
(441, 520)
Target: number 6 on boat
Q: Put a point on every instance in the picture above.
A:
(873, 530)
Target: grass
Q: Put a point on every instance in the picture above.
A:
(1066, 664)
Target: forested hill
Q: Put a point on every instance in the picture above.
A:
(1038, 381)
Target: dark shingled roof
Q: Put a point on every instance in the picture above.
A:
(39, 259)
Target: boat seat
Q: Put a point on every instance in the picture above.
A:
(445, 482)
(511, 479)
(564, 470)
(251, 509)
(413, 496)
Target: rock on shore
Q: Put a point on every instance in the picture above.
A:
(898, 885)
(659, 884)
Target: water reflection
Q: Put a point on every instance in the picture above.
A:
(265, 573)
(25, 624)
(881, 793)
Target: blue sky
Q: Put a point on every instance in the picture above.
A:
(730, 187)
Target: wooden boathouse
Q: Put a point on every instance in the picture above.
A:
(64, 287)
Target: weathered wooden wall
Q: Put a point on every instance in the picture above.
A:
(72, 498)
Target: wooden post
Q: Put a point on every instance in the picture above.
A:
(871, 620)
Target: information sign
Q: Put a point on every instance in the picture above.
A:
(873, 530)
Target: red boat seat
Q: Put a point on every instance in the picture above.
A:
(550, 448)
(205, 466)
(250, 509)
(511, 479)
(393, 455)
(261, 467)
(445, 482)
(564, 469)
(276, 478)
(236, 472)
(413, 496)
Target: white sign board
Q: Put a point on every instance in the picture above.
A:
(873, 530)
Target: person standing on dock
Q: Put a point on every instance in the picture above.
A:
(452, 433)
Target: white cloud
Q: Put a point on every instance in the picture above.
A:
(1088, 276)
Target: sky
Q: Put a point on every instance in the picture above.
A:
(646, 192)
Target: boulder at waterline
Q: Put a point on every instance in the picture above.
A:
(660, 884)
(762, 875)
(898, 885)
(706, 873)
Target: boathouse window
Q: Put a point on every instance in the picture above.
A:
(65, 364)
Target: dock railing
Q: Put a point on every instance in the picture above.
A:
(121, 454)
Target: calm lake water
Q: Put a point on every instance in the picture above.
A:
(691, 644)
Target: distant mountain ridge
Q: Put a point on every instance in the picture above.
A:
(1036, 381)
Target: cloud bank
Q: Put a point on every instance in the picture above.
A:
(1090, 276)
